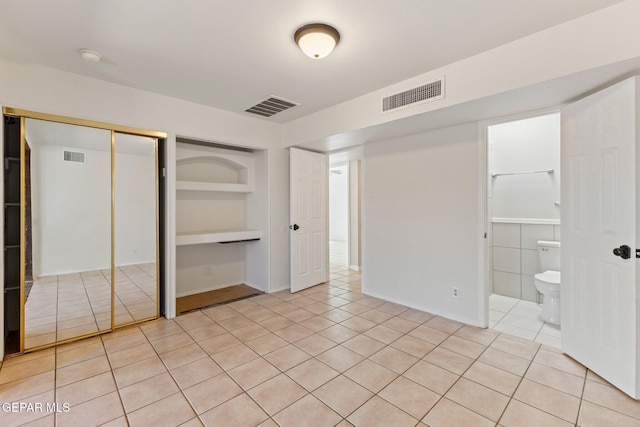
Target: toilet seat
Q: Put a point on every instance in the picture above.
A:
(551, 277)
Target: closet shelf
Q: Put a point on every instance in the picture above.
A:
(214, 186)
(216, 236)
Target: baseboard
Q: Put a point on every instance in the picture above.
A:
(283, 288)
(211, 288)
(354, 267)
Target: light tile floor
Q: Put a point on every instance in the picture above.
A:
(326, 356)
(521, 318)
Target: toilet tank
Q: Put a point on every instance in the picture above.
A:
(549, 253)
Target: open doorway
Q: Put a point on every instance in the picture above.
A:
(524, 222)
(344, 215)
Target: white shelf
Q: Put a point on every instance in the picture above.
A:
(216, 236)
(214, 186)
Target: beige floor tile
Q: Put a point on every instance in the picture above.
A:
(175, 341)
(131, 355)
(170, 411)
(118, 422)
(46, 421)
(519, 414)
(394, 359)
(478, 398)
(318, 308)
(139, 371)
(409, 396)
(413, 346)
(212, 392)
(206, 332)
(337, 315)
(293, 333)
(371, 375)
(358, 324)
(195, 372)
(340, 358)
(266, 343)
(240, 411)
(431, 376)
(449, 360)
(343, 395)
(182, 355)
(253, 373)
(123, 339)
(494, 378)
(449, 414)
(17, 417)
(234, 356)
(611, 398)
(10, 360)
(401, 325)
(78, 354)
(560, 361)
(194, 422)
(317, 323)
(315, 344)
(193, 320)
(363, 345)
(287, 357)
(219, 343)
(160, 329)
(416, 316)
(338, 333)
(515, 346)
(383, 334)
(557, 379)
(463, 346)
(299, 315)
(277, 393)
(147, 391)
(236, 322)
(312, 374)
(548, 399)
(102, 410)
(247, 333)
(478, 335)
(429, 334)
(311, 410)
(86, 389)
(378, 412)
(505, 361)
(260, 314)
(24, 388)
(592, 415)
(276, 323)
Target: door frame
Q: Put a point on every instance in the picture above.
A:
(485, 258)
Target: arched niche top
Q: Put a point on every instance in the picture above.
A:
(212, 169)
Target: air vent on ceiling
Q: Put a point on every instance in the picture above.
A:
(73, 156)
(271, 106)
(428, 92)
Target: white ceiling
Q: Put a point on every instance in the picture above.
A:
(231, 54)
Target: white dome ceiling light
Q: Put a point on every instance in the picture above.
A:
(317, 40)
(89, 55)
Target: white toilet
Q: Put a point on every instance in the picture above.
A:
(548, 282)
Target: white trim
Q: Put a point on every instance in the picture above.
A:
(283, 288)
(354, 267)
(525, 221)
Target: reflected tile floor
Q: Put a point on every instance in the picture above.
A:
(521, 318)
(326, 356)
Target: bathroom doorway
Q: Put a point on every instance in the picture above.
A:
(523, 207)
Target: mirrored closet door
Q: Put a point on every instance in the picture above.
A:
(89, 228)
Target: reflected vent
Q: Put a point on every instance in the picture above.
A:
(428, 92)
(271, 106)
(73, 156)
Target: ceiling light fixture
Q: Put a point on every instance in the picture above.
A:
(89, 55)
(317, 40)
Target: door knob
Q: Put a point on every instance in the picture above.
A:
(294, 227)
(623, 252)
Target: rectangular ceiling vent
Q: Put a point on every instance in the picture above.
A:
(428, 92)
(73, 156)
(271, 106)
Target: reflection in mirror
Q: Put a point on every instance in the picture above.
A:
(67, 232)
(135, 229)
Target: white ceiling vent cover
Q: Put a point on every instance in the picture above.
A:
(73, 156)
(426, 93)
(271, 106)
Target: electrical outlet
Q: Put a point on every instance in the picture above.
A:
(206, 270)
(455, 292)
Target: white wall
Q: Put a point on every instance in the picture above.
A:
(421, 233)
(530, 144)
(355, 231)
(339, 203)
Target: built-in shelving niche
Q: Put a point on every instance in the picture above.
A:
(221, 217)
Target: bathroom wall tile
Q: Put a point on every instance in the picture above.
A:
(506, 259)
(530, 262)
(529, 292)
(507, 284)
(531, 233)
(507, 235)
(556, 233)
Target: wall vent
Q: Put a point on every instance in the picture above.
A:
(271, 106)
(428, 92)
(73, 156)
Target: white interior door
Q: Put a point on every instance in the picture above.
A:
(308, 219)
(599, 193)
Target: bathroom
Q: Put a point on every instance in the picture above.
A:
(523, 209)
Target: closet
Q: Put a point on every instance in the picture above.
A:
(221, 218)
